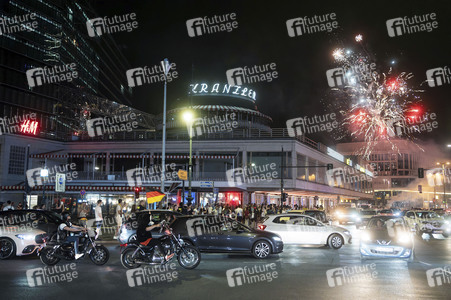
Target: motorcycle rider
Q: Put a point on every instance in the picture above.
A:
(144, 234)
(70, 230)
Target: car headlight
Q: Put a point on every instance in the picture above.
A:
(347, 232)
(358, 219)
(404, 237)
(278, 239)
(366, 237)
(28, 237)
(447, 222)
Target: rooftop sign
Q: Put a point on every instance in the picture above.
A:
(217, 89)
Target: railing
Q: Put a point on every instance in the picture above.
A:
(122, 176)
(182, 135)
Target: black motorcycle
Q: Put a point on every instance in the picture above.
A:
(136, 254)
(54, 251)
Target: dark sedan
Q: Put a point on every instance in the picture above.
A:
(387, 237)
(218, 234)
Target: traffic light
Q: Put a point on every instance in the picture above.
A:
(329, 166)
(137, 189)
(284, 197)
(420, 173)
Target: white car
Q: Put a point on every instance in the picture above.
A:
(18, 240)
(302, 229)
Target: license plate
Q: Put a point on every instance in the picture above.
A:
(438, 231)
(384, 249)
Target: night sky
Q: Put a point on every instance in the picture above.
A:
(261, 37)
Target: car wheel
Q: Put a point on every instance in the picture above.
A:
(261, 249)
(336, 241)
(7, 248)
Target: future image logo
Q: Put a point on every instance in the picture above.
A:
(351, 75)
(212, 125)
(34, 177)
(112, 124)
(438, 76)
(254, 274)
(310, 25)
(251, 174)
(438, 276)
(253, 74)
(209, 25)
(109, 25)
(53, 274)
(54, 74)
(151, 274)
(348, 275)
(408, 25)
(341, 176)
(310, 125)
(153, 74)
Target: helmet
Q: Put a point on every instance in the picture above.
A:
(64, 216)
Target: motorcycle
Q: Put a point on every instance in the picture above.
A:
(54, 251)
(136, 253)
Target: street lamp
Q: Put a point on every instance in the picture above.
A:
(444, 181)
(166, 67)
(188, 118)
(44, 175)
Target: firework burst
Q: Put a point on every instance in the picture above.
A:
(374, 105)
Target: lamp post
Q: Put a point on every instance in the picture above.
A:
(188, 117)
(444, 181)
(44, 175)
(166, 67)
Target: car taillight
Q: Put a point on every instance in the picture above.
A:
(124, 245)
(262, 227)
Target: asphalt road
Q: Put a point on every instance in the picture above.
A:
(299, 272)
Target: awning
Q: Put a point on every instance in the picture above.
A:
(74, 188)
(129, 156)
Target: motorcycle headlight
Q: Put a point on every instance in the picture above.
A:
(28, 237)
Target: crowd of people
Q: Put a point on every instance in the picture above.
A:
(249, 215)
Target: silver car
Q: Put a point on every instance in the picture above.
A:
(302, 229)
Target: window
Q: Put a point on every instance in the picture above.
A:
(16, 160)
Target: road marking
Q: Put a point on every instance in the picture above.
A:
(422, 262)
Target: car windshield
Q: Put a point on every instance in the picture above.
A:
(390, 225)
(426, 214)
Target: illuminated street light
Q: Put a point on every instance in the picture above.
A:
(188, 117)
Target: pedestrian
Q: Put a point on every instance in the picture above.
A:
(60, 207)
(19, 207)
(82, 215)
(9, 206)
(99, 218)
(141, 206)
(119, 216)
(239, 214)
